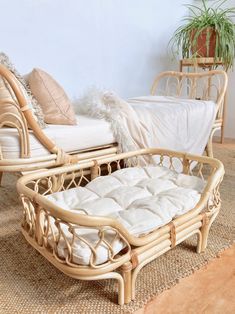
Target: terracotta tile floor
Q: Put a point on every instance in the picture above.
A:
(209, 290)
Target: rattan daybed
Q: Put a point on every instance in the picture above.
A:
(108, 218)
(23, 149)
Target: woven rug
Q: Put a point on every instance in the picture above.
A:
(30, 284)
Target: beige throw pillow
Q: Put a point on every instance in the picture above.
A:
(55, 104)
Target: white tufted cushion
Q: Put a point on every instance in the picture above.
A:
(141, 199)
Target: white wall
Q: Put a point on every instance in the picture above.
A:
(230, 117)
(117, 44)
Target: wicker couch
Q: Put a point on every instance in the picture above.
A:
(62, 231)
(204, 86)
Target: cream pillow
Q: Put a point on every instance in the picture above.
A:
(55, 104)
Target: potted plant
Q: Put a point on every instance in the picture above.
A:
(208, 32)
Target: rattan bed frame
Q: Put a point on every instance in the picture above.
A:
(139, 251)
(193, 85)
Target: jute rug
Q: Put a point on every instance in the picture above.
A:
(29, 284)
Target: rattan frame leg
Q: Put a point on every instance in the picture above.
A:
(1, 175)
(145, 260)
(205, 230)
(110, 275)
(126, 271)
(199, 241)
(209, 146)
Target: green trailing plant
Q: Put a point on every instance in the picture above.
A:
(207, 19)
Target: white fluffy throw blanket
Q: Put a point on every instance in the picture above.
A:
(152, 121)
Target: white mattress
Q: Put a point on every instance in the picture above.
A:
(89, 132)
(141, 199)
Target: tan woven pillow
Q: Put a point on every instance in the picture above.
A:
(55, 104)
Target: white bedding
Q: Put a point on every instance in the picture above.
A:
(141, 199)
(172, 123)
(89, 132)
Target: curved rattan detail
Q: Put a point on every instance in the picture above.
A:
(204, 85)
(10, 78)
(18, 122)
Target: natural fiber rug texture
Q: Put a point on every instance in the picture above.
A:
(30, 284)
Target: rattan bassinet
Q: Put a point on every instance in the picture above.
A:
(48, 227)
